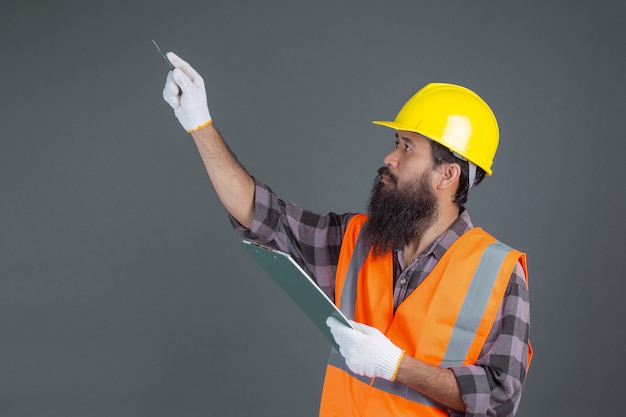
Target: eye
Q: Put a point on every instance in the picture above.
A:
(406, 147)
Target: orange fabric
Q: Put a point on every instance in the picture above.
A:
(422, 325)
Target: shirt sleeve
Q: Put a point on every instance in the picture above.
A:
(313, 240)
(493, 385)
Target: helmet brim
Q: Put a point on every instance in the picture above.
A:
(407, 128)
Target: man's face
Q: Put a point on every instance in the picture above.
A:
(403, 204)
(409, 161)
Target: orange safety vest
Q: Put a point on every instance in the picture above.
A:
(444, 322)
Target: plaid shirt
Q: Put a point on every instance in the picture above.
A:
(493, 385)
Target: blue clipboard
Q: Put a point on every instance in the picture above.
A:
(298, 285)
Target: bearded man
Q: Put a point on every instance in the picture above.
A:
(439, 308)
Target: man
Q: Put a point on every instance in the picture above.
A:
(440, 308)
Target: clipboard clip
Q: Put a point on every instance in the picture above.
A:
(260, 245)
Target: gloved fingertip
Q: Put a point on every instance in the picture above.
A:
(174, 59)
(364, 328)
(178, 74)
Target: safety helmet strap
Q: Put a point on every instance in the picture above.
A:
(472, 169)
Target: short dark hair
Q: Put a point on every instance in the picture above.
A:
(441, 155)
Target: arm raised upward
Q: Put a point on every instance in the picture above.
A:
(184, 91)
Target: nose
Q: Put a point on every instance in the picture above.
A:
(391, 160)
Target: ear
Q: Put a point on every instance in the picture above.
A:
(449, 176)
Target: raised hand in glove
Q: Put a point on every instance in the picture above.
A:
(366, 350)
(184, 91)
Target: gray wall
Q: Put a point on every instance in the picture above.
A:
(122, 288)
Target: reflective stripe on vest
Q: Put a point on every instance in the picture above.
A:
(348, 295)
(475, 303)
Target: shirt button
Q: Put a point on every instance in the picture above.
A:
(403, 281)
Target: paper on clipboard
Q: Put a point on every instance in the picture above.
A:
(298, 285)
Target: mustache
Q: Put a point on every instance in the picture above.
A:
(386, 172)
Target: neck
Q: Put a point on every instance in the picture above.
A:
(419, 244)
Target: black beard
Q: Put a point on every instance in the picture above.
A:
(398, 216)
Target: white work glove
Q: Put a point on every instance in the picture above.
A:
(184, 91)
(366, 350)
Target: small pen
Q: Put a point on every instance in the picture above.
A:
(163, 55)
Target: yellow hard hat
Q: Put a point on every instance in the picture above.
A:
(454, 116)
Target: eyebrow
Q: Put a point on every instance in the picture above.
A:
(405, 138)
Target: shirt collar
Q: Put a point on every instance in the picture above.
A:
(462, 224)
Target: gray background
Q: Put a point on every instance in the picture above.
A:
(123, 290)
